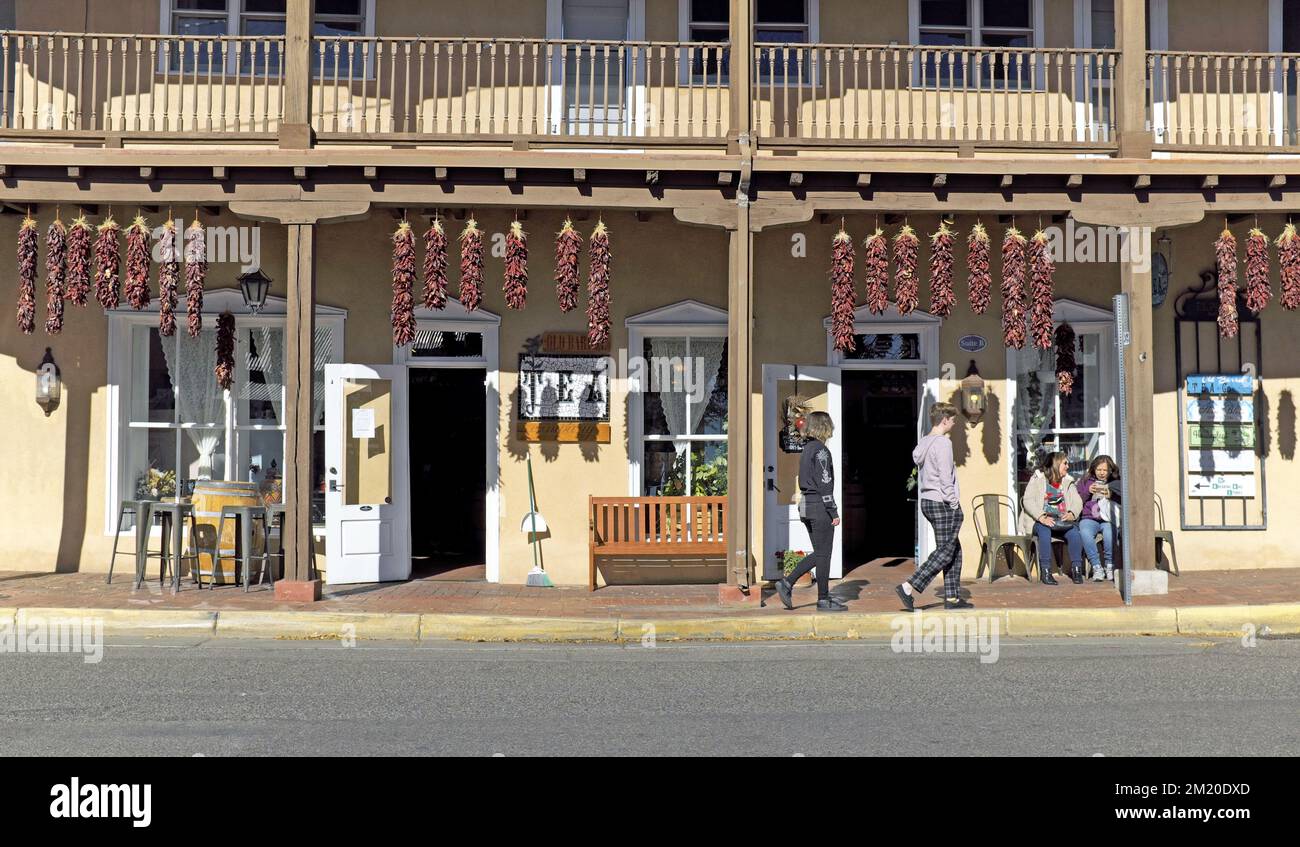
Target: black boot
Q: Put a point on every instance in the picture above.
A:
(784, 590)
(830, 604)
(1046, 577)
(905, 597)
(1076, 574)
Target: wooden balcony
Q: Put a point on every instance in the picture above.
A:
(852, 95)
(1224, 102)
(143, 86)
(538, 90)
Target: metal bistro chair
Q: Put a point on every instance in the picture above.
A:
(172, 547)
(1165, 536)
(988, 510)
(139, 512)
(243, 516)
(275, 518)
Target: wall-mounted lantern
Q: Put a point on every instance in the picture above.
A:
(972, 394)
(254, 285)
(49, 387)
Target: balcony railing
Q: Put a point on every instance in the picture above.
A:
(829, 94)
(1229, 101)
(533, 89)
(143, 85)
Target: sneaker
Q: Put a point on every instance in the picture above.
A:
(783, 591)
(830, 604)
(1098, 575)
(956, 603)
(905, 597)
(1110, 573)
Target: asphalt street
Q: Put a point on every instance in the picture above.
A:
(1061, 697)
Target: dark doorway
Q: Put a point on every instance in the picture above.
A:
(448, 473)
(879, 421)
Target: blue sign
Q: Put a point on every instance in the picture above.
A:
(972, 343)
(1243, 384)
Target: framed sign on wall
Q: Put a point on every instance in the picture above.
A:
(563, 398)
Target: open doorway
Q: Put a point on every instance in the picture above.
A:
(448, 473)
(879, 420)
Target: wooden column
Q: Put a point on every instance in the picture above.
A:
(740, 392)
(1139, 386)
(299, 335)
(1131, 38)
(741, 36)
(295, 128)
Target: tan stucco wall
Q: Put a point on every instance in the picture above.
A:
(1220, 27)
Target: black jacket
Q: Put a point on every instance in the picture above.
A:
(817, 479)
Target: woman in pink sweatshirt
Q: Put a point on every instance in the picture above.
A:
(941, 504)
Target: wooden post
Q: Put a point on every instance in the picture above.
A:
(1139, 464)
(1131, 38)
(740, 390)
(741, 67)
(300, 333)
(295, 129)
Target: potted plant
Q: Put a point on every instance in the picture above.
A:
(154, 484)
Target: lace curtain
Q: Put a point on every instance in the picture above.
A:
(710, 352)
(200, 399)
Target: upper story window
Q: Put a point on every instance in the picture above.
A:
(775, 22)
(977, 23)
(252, 18)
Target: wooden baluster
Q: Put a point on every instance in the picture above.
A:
(436, 96)
(868, 92)
(6, 119)
(406, 85)
(857, 91)
(392, 87)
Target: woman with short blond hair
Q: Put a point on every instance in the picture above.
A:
(818, 511)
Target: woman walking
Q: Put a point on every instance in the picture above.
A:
(1051, 508)
(941, 504)
(819, 513)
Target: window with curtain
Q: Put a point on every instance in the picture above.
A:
(1046, 420)
(684, 433)
(181, 427)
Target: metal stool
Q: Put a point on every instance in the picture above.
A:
(139, 511)
(172, 549)
(243, 516)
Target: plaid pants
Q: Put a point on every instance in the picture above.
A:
(947, 554)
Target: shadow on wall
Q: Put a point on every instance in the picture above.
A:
(1286, 425)
(991, 437)
(1265, 424)
(960, 433)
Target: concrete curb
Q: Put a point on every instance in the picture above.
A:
(1280, 618)
(1267, 619)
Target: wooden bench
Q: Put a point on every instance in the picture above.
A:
(656, 527)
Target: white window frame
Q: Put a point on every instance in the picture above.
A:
(687, 318)
(812, 24)
(976, 29)
(123, 320)
(1158, 26)
(235, 17)
(1084, 319)
(634, 118)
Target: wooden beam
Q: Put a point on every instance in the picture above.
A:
(146, 173)
(295, 126)
(74, 172)
(370, 172)
(220, 172)
(1074, 181)
(1141, 181)
(440, 174)
(579, 174)
(1210, 182)
(724, 178)
(1006, 181)
(510, 174)
(300, 333)
(940, 180)
(1135, 139)
(300, 173)
(1139, 367)
(864, 180)
(1277, 181)
(796, 179)
(652, 177)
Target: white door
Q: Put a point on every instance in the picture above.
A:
(782, 529)
(367, 479)
(595, 89)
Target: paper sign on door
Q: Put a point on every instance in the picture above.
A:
(363, 423)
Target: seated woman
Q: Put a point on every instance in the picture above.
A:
(1050, 509)
(1098, 516)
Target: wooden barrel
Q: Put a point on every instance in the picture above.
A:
(210, 496)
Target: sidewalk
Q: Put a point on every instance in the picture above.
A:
(482, 611)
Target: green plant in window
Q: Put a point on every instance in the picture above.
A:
(710, 478)
(153, 483)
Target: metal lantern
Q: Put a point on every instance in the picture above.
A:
(49, 388)
(254, 285)
(972, 394)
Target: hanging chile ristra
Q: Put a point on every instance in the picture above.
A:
(435, 266)
(568, 250)
(1259, 289)
(942, 297)
(196, 271)
(56, 264)
(169, 279)
(28, 246)
(1225, 255)
(1065, 365)
(598, 296)
(1015, 270)
(1041, 271)
(1288, 259)
(225, 368)
(77, 288)
(907, 283)
(403, 310)
(876, 260)
(842, 292)
(471, 266)
(137, 263)
(979, 268)
(108, 264)
(516, 281)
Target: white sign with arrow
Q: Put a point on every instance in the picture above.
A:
(1219, 485)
